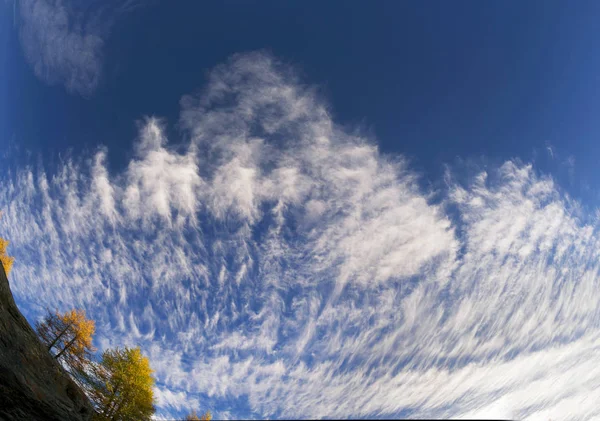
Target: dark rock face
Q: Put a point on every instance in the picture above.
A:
(33, 386)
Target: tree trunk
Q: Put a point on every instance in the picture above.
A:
(111, 401)
(67, 346)
(59, 336)
(115, 409)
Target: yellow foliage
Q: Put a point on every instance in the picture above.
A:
(69, 334)
(7, 261)
(83, 331)
(193, 416)
(123, 386)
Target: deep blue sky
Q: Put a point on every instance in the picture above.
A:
(432, 80)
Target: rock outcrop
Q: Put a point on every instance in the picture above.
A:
(33, 386)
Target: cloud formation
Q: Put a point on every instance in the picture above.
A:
(64, 44)
(275, 264)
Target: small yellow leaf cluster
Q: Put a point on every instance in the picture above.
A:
(6, 260)
(193, 416)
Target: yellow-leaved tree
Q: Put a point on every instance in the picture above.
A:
(68, 336)
(120, 386)
(193, 416)
(7, 261)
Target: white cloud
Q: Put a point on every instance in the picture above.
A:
(160, 182)
(175, 400)
(285, 263)
(63, 45)
(59, 48)
(102, 188)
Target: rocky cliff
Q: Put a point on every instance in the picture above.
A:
(33, 386)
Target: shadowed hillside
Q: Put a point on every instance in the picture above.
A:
(33, 385)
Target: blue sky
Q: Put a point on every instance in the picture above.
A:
(298, 210)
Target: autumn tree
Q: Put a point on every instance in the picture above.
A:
(7, 261)
(120, 386)
(193, 416)
(68, 337)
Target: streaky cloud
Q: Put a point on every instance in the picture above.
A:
(280, 261)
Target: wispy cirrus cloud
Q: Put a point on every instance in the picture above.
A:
(63, 43)
(278, 265)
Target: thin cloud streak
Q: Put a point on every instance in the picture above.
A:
(282, 263)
